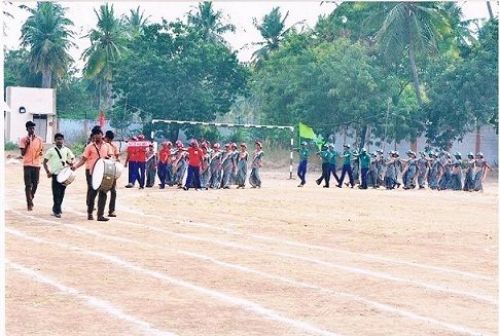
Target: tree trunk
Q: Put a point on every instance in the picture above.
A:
(490, 10)
(46, 79)
(362, 136)
(413, 65)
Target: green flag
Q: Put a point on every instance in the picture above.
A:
(306, 132)
(319, 141)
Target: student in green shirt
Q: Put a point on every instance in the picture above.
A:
(324, 154)
(364, 160)
(332, 160)
(57, 158)
(302, 169)
(346, 167)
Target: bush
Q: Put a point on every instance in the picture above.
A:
(9, 146)
(77, 148)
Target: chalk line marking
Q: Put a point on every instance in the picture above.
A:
(90, 301)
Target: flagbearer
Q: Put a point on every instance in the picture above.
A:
(54, 161)
(302, 169)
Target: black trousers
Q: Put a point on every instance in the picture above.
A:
(92, 194)
(31, 178)
(58, 191)
(325, 174)
(112, 198)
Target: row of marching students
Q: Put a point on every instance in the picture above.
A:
(439, 171)
(206, 166)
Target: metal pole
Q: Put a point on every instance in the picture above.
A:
(291, 155)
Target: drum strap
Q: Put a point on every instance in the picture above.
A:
(60, 156)
(97, 150)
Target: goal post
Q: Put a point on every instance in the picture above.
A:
(291, 129)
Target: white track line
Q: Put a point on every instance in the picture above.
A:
(90, 301)
(229, 299)
(323, 248)
(355, 270)
(374, 304)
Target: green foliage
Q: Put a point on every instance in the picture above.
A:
(10, 146)
(17, 70)
(77, 148)
(47, 34)
(208, 22)
(75, 99)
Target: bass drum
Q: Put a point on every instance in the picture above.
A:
(118, 169)
(66, 176)
(103, 175)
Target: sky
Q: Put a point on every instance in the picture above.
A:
(239, 13)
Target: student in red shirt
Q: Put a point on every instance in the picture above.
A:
(164, 171)
(131, 162)
(141, 161)
(31, 147)
(194, 160)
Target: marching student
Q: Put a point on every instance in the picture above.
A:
(215, 167)
(364, 160)
(54, 161)
(131, 162)
(481, 171)
(115, 154)
(410, 171)
(31, 147)
(435, 171)
(195, 158)
(380, 163)
(423, 169)
(151, 163)
(445, 161)
(179, 163)
(372, 175)
(141, 152)
(456, 172)
(95, 150)
(235, 156)
(324, 154)
(164, 166)
(254, 178)
(205, 170)
(241, 175)
(302, 168)
(346, 167)
(469, 172)
(227, 166)
(332, 161)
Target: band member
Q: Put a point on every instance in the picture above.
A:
(254, 178)
(481, 171)
(302, 169)
(423, 169)
(216, 168)
(346, 167)
(54, 161)
(195, 158)
(115, 155)
(241, 175)
(205, 171)
(151, 163)
(95, 150)
(469, 172)
(131, 162)
(31, 147)
(165, 164)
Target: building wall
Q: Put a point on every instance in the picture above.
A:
(37, 102)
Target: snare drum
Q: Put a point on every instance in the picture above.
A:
(118, 169)
(103, 175)
(66, 176)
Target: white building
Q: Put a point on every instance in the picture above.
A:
(25, 104)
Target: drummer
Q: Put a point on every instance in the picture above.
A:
(54, 161)
(94, 151)
(115, 154)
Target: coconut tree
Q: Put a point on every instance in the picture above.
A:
(135, 22)
(47, 35)
(107, 46)
(209, 22)
(410, 27)
(272, 29)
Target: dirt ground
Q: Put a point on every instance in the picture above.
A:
(280, 260)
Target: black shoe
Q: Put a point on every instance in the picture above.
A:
(111, 214)
(90, 217)
(185, 188)
(326, 186)
(102, 219)
(338, 186)
(141, 188)
(318, 182)
(129, 186)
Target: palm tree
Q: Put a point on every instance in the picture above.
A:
(47, 34)
(272, 29)
(209, 22)
(107, 46)
(135, 22)
(412, 27)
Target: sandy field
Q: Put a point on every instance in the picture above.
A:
(280, 260)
